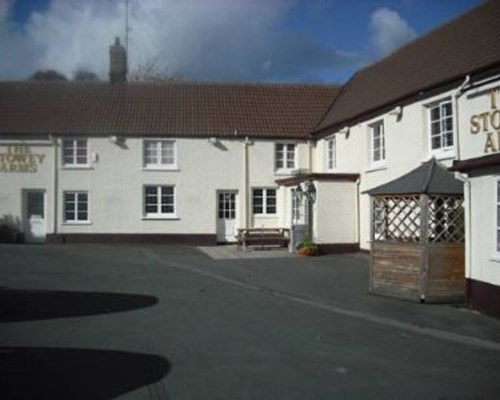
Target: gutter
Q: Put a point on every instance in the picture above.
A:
(456, 95)
(423, 93)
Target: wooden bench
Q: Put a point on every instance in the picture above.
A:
(263, 237)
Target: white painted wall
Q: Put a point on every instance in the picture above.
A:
(335, 212)
(12, 184)
(484, 262)
(115, 180)
(407, 145)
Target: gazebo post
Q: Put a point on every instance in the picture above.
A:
(424, 246)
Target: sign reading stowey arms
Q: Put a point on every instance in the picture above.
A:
(19, 159)
(489, 123)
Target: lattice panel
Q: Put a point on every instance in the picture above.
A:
(446, 220)
(396, 218)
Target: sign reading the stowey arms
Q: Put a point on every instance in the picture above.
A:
(488, 122)
(20, 159)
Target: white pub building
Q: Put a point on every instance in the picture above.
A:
(195, 162)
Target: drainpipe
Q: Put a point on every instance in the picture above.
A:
(468, 242)
(56, 183)
(358, 212)
(246, 188)
(310, 155)
(456, 95)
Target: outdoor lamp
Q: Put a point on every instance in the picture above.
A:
(299, 192)
(311, 191)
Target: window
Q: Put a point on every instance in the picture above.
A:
(74, 152)
(377, 143)
(159, 154)
(285, 156)
(441, 125)
(76, 207)
(264, 201)
(497, 230)
(159, 201)
(331, 153)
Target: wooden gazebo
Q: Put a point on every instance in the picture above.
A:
(417, 249)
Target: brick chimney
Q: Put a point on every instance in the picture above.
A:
(117, 63)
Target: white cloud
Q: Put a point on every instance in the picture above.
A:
(211, 40)
(4, 10)
(389, 31)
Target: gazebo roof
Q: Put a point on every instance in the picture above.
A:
(430, 178)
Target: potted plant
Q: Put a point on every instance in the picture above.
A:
(307, 248)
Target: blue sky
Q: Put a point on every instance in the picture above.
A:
(219, 40)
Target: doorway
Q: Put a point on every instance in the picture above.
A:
(35, 224)
(226, 215)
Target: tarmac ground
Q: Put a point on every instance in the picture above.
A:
(179, 322)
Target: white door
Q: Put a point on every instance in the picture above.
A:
(226, 216)
(34, 221)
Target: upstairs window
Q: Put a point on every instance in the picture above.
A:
(285, 156)
(441, 125)
(331, 153)
(74, 152)
(159, 154)
(264, 201)
(377, 143)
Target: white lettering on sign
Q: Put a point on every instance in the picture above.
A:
(20, 159)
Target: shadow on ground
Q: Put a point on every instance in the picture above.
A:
(27, 305)
(51, 373)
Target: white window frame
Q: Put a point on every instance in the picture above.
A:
(285, 148)
(331, 153)
(265, 200)
(374, 128)
(160, 146)
(78, 205)
(442, 151)
(159, 214)
(69, 153)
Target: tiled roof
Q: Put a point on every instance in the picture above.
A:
(467, 45)
(176, 109)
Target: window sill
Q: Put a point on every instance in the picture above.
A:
(160, 218)
(264, 216)
(66, 223)
(77, 167)
(374, 168)
(495, 258)
(172, 169)
(284, 171)
(443, 154)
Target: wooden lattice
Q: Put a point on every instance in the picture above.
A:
(446, 219)
(418, 218)
(396, 218)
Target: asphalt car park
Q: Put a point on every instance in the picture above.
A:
(176, 322)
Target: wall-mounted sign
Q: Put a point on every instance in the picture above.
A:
(488, 122)
(20, 159)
